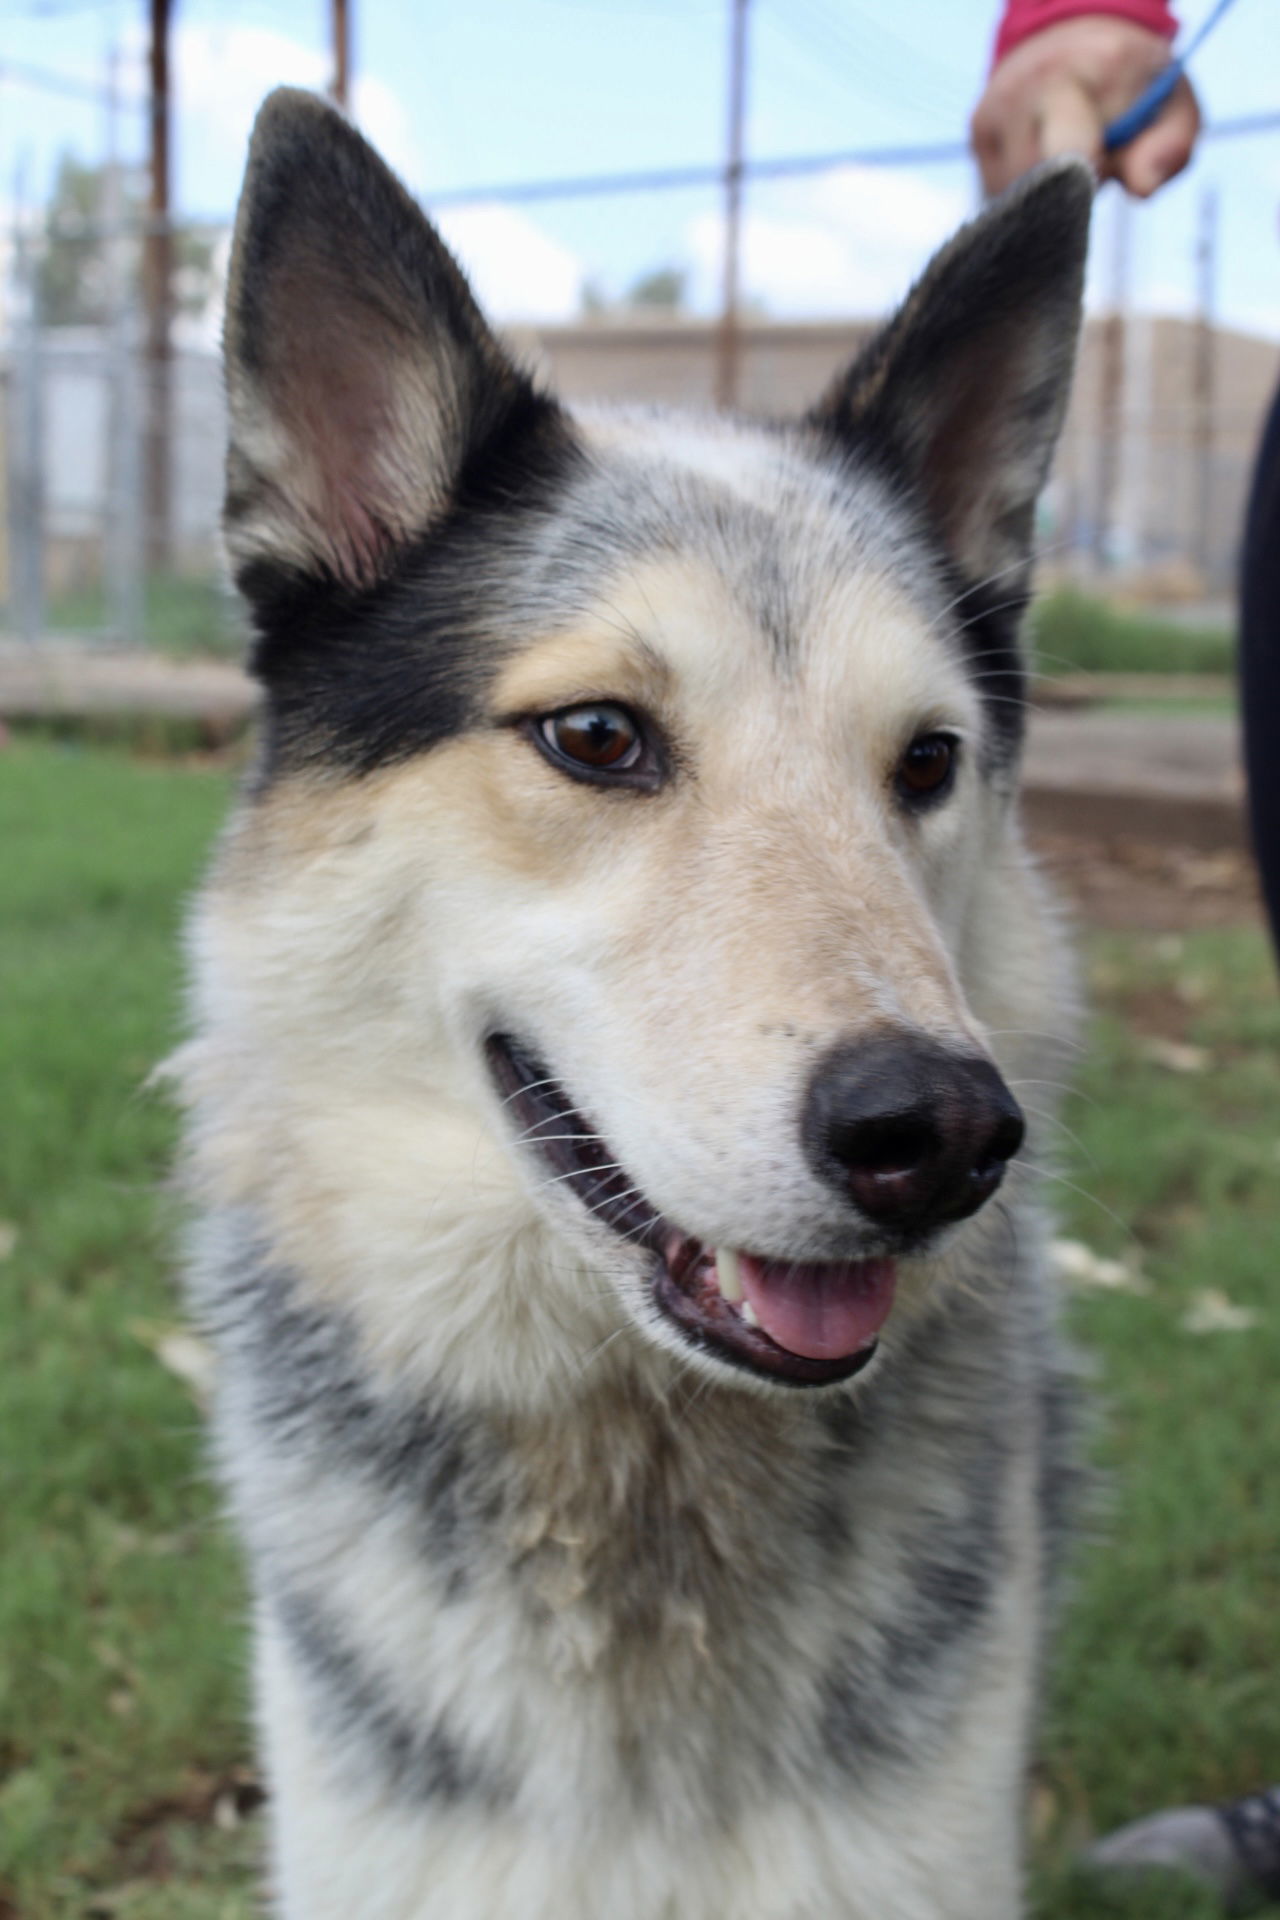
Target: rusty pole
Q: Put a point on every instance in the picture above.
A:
(341, 54)
(158, 291)
(1203, 379)
(1111, 390)
(729, 336)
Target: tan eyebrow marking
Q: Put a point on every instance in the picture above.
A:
(579, 665)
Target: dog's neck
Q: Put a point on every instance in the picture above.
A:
(679, 1555)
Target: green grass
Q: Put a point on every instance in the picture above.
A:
(1166, 1681)
(121, 1651)
(182, 616)
(1082, 1896)
(1073, 632)
(1171, 706)
(120, 1672)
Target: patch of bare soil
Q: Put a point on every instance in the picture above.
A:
(1119, 882)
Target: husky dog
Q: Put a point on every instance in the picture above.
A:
(611, 995)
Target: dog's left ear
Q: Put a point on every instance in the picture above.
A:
(962, 395)
(361, 377)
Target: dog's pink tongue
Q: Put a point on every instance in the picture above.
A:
(826, 1311)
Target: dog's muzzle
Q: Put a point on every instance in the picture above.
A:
(914, 1136)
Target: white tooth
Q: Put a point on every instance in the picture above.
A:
(749, 1314)
(729, 1274)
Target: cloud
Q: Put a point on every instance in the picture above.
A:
(518, 272)
(223, 72)
(849, 242)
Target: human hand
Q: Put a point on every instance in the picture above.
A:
(1061, 88)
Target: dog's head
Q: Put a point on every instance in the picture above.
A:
(631, 855)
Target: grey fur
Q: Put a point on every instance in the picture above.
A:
(419, 1764)
(323, 1410)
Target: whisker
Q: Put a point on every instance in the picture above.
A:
(532, 1133)
(532, 1086)
(1052, 1120)
(1047, 1173)
(1062, 1086)
(1035, 1033)
(985, 613)
(580, 1173)
(989, 672)
(597, 1350)
(1024, 561)
(1012, 700)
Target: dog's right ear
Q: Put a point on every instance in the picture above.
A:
(361, 376)
(961, 396)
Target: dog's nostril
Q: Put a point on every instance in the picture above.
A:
(1008, 1136)
(892, 1187)
(893, 1145)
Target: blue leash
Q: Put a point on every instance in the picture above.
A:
(1149, 103)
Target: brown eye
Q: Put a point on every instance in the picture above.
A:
(927, 768)
(601, 739)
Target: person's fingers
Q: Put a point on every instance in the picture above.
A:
(1164, 149)
(989, 137)
(1069, 122)
(1006, 143)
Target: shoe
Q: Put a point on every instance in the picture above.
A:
(1234, 1850)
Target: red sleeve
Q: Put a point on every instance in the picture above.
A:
(1022, 18)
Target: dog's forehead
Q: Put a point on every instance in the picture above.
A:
(737, 492)
(680, 627)
(704, 552)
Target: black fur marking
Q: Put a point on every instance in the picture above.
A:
(989, 622)
(891, 1690)
(881, 1697)
(307, 1395)
(418, 1764)
(362, 679)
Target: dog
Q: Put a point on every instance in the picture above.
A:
(639, 1393)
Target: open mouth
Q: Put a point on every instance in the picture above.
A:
(806, 1323)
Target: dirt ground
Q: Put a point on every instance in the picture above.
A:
(1120, 882)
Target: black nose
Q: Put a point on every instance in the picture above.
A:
(917, 1135)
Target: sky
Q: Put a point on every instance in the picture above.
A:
(482, 92)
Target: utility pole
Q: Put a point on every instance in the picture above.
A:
(1203, 378)
(123, 570)
(339, 86)
(1111, 387)
(729, 340)
(158, 287)
(26, 430)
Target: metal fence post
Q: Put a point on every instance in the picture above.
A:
(26, 445)
(123, 561)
